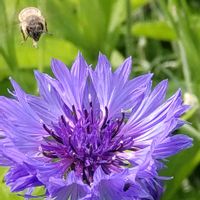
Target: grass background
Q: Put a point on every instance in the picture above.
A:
(162, 36)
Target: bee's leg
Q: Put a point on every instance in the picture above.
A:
(46, 29)
(35, 44)
(23, 35)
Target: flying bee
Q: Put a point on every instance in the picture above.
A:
(32, 24)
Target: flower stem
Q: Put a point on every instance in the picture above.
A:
(128, 29)
(186, 70)
(191, 131)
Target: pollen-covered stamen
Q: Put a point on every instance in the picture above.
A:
(71, 145)
(120, 122)
(120, 145)
(49, 154)
(87, 120)
(91, 112)
(128, 144)
(74, 113)
(86, 114)
(88, 175)
(63, 120)
(88, 142)
(51, 133)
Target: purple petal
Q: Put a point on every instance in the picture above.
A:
(72, 189)
(71, 84)
(116, 186)
(171, 146)
(18, 178)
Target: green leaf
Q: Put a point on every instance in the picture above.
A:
(159, 30)
(116, 59)
(139, 3)
(48, 47)
(4, 70)
(92, 26)
(180, 167)
(4, 190)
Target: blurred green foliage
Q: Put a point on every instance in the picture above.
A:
(163, 36)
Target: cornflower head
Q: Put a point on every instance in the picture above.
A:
(90, 134)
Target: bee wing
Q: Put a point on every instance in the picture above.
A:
(24, 35)
(26, 12)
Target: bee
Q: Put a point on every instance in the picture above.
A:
(32, 24)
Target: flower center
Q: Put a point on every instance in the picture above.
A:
(86, 142)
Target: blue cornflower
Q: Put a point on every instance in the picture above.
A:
(90, 134)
